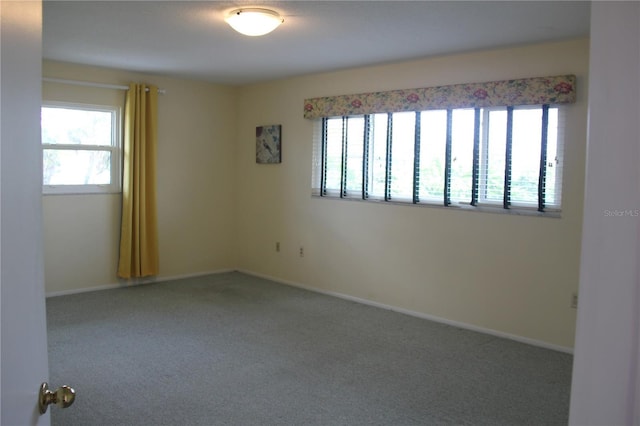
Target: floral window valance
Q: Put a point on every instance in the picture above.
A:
(527, 91)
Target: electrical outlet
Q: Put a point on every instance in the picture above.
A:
(574, 300)
(301, 251)
(277, 246)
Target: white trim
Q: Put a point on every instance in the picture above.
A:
(434, 318)
(134, 282)
(82, 290)
(115, 149)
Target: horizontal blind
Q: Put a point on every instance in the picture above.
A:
(433, 136)
(480, 157)
(403, 137)
(377, 156)
(317, 158)
(555, 159)
(333, 156)
(354, 160)
(492, 154)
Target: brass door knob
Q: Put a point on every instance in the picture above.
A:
(62, 397)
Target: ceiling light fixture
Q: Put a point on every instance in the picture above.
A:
(254, 21)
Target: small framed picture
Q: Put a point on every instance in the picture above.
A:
(269, 144)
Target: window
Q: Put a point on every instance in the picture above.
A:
(80, 148)
(497, 157)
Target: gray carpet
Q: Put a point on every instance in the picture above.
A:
(233, 349)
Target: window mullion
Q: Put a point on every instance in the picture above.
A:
(507, 161)
(387, 176)
(447, 160)
(484, 161)
(543, 157)
(476, 158)
(343, 174)
(323, 158)
(79, 147)
(365, 156)
(416, 160)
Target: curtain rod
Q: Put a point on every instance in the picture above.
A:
(90, 84)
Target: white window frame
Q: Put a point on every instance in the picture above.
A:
(552, 209)
(555, 205)
(115, 150)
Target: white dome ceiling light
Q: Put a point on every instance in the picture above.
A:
(254, 21)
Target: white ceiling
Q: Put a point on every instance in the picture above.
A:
(190, 38)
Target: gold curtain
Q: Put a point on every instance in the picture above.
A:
(139, 235)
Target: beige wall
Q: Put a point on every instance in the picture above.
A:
(195, 161)
(219, 210)
(513, 274)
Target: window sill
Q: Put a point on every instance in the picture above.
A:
(80, 191)
(515, 210)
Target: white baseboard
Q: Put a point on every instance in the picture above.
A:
(434, 318)
(133, 282)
